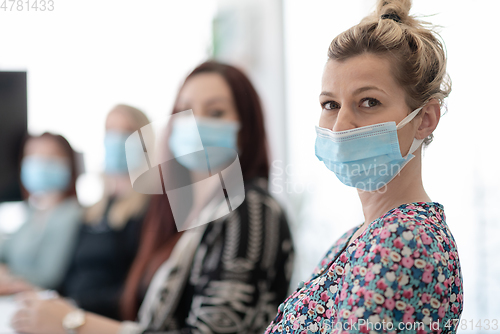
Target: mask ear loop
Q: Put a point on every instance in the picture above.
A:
(416, 142)
(408, 118)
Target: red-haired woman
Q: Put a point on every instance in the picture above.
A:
(227, 276)
(38, 253)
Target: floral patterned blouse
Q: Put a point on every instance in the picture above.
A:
(402, 274)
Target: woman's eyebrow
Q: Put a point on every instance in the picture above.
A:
(357, 91)
(216, 99)
(365, 88)
(325, 93)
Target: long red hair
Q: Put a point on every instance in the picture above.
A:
(159, 233)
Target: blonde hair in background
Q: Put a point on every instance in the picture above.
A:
(133, 203)
(418, 55)
(138, 118)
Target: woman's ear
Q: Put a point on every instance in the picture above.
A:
(430, 119)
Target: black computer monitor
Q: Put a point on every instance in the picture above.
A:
(13, 128)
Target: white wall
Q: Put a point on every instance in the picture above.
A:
(250, 34)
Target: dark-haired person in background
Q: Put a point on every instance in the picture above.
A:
(227, 276)
(38, 254)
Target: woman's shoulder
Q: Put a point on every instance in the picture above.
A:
(411, 248)
(415, 212)
(254, 236)
(118, 212)
(256, 192)
(66, 216)
(415, 229)
(418, 220)
(259, 217)
(72, 206)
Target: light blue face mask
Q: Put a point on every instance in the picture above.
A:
(116, 159)
(42, 175)
(213, 133)
(368, 157)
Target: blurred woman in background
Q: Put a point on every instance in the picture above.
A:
(226, 276)
(38, 254)
(109, 237)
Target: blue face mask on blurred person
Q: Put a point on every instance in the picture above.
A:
(368, 157)
(215, 135)
(42, 175)
(115, 158)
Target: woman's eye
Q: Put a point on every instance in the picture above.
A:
(216, 113)
(329, 105)
(370, 102)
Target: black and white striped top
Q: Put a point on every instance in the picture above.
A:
(228, 276)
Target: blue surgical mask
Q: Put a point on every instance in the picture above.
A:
(368, 157)
(214, 134)
(43, 174)
(115, 158)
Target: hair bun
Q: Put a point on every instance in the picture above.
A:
(394, 9)
(391, 16)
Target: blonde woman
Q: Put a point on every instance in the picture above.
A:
(109, 238)
(382, 91)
